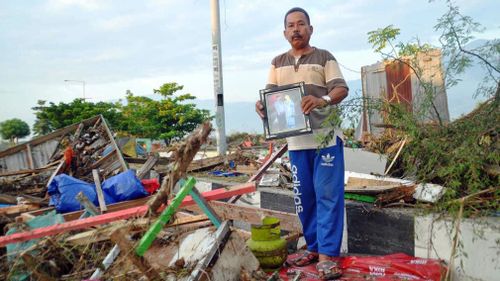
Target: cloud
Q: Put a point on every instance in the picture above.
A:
(99, 56)
(87, 5)
(118, 22)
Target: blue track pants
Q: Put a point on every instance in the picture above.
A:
(318, 186)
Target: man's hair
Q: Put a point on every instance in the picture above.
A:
(297, 9)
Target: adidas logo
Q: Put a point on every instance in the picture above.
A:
(327, 160)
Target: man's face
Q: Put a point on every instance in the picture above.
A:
(297, 30)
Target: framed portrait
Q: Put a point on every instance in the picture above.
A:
(283, 112)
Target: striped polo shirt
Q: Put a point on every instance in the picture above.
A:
(321, 73)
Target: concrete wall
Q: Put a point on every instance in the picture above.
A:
(476, 259)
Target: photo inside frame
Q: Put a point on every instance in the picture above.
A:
(284, 113)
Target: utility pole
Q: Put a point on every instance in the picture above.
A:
(217, 68)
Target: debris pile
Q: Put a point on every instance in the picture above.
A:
(175, 233)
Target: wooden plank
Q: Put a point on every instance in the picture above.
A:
(87, 205)
(268, 163)
(8, 199)
(98, 189)
(25, 217)
(119, 215)
(263, 169)
(354, 181)
(30, 171)
(371, 189)
(29, 154)
(115, 146)
(206, 163)
(15, 210)
(77, 133)
(150, 163)
(253, 215)
(136, 160)
(100, 162)
(59, 168)
(245, 169)
(139, 225)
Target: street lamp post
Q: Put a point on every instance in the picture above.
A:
(78, 81)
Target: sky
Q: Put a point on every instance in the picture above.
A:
(122, 45)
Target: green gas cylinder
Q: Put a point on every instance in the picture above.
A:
(267, 245)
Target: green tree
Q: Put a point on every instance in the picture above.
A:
(456, 32)
(55, 116)
(13, 129)
(170, 118)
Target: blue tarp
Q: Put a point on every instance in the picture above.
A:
(63, 190)
(124, 186)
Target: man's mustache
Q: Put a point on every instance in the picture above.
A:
(296, 35)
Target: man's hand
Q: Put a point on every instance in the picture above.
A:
(311, 102)
(259, 108)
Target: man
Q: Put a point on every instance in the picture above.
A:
(318, 176)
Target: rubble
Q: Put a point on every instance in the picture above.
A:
(196, 241)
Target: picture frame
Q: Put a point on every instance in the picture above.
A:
(283, 111)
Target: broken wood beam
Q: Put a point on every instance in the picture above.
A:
(183, 157)
(396, 156)
(8, 199)
(29, 154)
(59, 168)
(29, 171)
(253, 215)
(205, 163)
(98, 189)
(17, 209)
(373, 189)
(268, 163)
(136, 160)
(119, 215)
(139, 225)
(150, 163)
(263, 169)
(89, 207)
(119, 237)
(116, 151)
